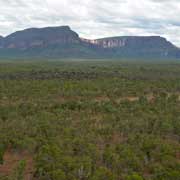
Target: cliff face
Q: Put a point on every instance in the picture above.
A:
(63, 42)
(133, 42)
(108, 42)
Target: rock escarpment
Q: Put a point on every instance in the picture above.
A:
(63, 42)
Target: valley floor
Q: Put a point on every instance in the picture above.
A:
(89, 120)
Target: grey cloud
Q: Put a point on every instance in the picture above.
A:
(14, 3)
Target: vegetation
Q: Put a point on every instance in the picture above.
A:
(93, 120)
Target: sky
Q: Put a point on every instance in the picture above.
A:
(95, 18)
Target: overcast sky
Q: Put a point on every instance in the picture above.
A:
(95, 18)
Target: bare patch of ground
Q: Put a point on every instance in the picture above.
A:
(12, 158)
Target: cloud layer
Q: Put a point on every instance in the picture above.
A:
(95, 18)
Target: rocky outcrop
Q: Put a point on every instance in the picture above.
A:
(131, 41)
(89, 41)
(109, 42)
(106, 43)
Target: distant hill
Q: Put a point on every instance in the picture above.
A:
(61, 41)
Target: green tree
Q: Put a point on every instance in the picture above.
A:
(1, 153)
(103, 173)
(58, 174)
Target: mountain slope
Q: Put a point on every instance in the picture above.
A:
(63, 42)
(1, 41)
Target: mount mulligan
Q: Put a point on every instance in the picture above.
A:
(55, 42)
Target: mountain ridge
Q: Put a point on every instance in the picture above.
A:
(61, 41)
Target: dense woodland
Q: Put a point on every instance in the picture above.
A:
(90, 120)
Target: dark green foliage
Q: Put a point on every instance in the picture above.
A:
(2, 150)
(103, 173)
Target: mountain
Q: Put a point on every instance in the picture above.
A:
(1, 39)
(138, 46)
(40, 37)
(63, 42)
(45, 42)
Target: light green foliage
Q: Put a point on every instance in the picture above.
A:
(18, 173)
(134, 177)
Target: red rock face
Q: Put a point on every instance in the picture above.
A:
(106, 43)
(111, 43)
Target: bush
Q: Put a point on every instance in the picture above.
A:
(134, 176)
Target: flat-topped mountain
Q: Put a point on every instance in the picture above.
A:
(134, 42)
(141, 46)
(63, 42)
(40, 37)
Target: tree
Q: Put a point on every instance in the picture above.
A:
(1, 153)
(103, 173)
(58, 174)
